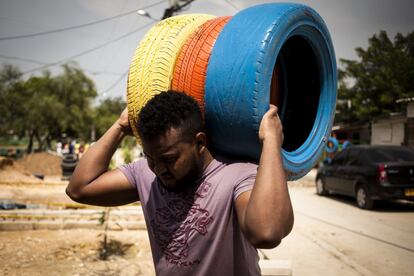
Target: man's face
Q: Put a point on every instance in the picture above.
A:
(174, 160)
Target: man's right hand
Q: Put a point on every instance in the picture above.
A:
(123, 122)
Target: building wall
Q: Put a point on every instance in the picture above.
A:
(356, 133)
(409, 132)
(410, 110)
(388, 131)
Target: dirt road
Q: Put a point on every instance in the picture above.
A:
(332, 236)
(75, 252)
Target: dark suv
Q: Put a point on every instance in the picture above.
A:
(369, 173)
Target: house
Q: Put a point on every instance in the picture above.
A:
(395, 129)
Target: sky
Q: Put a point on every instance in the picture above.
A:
(105, 50)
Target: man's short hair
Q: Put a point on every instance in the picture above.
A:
(171, 109)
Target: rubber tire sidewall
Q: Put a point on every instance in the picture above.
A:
(191, 65)
(335, 145)
(239, 77)
(68, 167)
(152, 66)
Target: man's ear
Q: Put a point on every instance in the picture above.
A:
(201, 141)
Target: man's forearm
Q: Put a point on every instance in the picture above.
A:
(96, 160)
(269, 211)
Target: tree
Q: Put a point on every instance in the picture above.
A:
(45, 107)
(11, 95)
(107, 113)
(60, 104)
(385, 72)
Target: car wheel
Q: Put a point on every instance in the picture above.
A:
(320, 187)
(362, 198)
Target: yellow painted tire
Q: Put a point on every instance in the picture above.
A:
(152, 66)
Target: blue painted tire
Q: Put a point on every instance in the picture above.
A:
(335, 145)
(346, 144)
(239, 77)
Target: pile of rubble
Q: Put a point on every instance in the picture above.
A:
(12, 172)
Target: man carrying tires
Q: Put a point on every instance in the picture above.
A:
(205, 214)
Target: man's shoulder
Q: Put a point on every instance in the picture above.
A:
(136, 167)
(237, 175)
(237, 167)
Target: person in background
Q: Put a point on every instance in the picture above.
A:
(72, 147)
(59, 148)
(81, 151)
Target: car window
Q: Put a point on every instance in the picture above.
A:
(340, 158)
(353, 158)
(391, 154)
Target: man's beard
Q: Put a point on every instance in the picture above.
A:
(190, 180)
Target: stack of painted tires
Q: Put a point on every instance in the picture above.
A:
(68, 165)
(235, 67)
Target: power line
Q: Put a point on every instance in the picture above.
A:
(109, 37)
(167, 13)
(87, 51)
(23, 59)
(231, 4)
(78, 26)
(93, 72)
(115, 83)
(103, 72)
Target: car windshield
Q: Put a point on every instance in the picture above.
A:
(390, 155)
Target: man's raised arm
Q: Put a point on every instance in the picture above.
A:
(91, 182)
(265, 214)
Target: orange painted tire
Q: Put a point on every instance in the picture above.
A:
(191, 66)
(153, 63)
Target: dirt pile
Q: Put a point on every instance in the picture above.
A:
(42, 163)
(10, 171)
(5, 162)
(74, 252)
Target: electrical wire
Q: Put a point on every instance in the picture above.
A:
(92, 72)
(23, 59)
(99, 58)
(168, 12)
(231, 4)
(78, 26)
(122, 75)
(115, 83)
(87, 51)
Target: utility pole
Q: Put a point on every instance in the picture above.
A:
(175, 6)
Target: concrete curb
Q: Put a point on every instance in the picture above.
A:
(34, 219)
(276, 267)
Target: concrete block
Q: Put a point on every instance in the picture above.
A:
(16, 225)
(276, 267)
(127, 225)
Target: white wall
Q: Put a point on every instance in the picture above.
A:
(388, 132)
(410, 110)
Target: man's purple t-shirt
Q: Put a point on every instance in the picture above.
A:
(196, 232)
